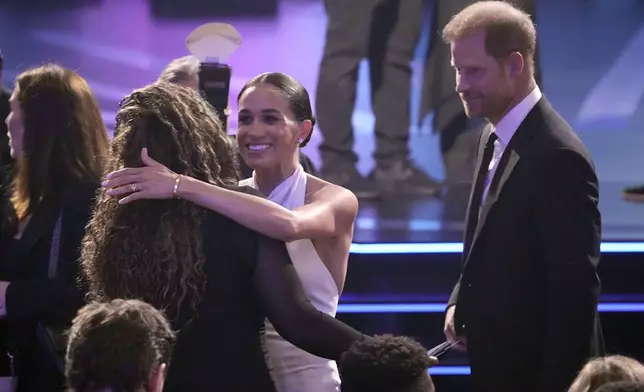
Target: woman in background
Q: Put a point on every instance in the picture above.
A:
(57, 137)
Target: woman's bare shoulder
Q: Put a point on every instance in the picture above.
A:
(324, 191)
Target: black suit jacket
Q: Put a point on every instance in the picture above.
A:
(527, 296)
(31, 297)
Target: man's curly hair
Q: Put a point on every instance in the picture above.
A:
(116, 346)
(151, 250)
(386, 363)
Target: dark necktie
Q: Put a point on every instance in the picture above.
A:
(479, 185)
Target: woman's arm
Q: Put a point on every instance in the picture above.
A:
(331, 212)
(286, 305)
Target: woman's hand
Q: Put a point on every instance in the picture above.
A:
(154, 181)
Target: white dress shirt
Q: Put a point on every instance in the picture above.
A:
(505, 130)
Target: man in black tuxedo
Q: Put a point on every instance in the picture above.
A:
(525, 305)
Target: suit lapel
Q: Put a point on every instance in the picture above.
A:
(507, 164)
(39, 226)
(506, 167)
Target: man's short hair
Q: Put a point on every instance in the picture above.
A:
(116, 346)
(180, 70)
(385, 363)
(621, 386)
(507, 28)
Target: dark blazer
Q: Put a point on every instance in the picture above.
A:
(31, 297)
(526, 300)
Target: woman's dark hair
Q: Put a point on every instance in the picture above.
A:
(64, 136)
(151, 249)
(292, 91)
(116, 346)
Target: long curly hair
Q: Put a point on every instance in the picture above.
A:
(151, 249)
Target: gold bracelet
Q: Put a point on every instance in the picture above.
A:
(175, 191)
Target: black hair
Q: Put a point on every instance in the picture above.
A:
(385, 363)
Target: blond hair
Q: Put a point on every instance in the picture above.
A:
(603, 370)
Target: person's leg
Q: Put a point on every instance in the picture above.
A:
(395, 32)
(347, 40)
(458, 134)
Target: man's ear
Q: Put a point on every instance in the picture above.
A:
(515, 64)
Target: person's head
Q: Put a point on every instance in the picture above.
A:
(275, 119)
(386, 363)
(621, 386)
(151, 249)
(183, 71)
(118, 346)
(602, 370)
(493, 45)
(56, 133)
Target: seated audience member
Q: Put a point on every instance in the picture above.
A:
(600, 371)
(119, 346)
(184, 71)
(621, 386)
(386, 364)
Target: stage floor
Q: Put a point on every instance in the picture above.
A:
(441, 220)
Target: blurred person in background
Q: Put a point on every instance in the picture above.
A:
(602, 370)
(6, 162)
(58, 139)
(385, 32)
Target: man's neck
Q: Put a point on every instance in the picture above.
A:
(519, 96)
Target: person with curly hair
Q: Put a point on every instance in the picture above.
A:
(315, 217)
(118, 346)
(215, 278)
(386, 363)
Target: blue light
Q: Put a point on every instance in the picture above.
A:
(621, 307)
(457, 247)
(450, 371)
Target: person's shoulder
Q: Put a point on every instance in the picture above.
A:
(555, 134)
(81, 193)
(321, 190)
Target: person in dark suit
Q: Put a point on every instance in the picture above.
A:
(525, 305)
(57, 137)
(458, 133)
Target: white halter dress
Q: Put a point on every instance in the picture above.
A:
(292, 369)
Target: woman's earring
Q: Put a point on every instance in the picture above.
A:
(300, 140)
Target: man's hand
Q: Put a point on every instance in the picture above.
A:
(450, 329)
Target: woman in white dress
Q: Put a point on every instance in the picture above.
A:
(314, 217)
